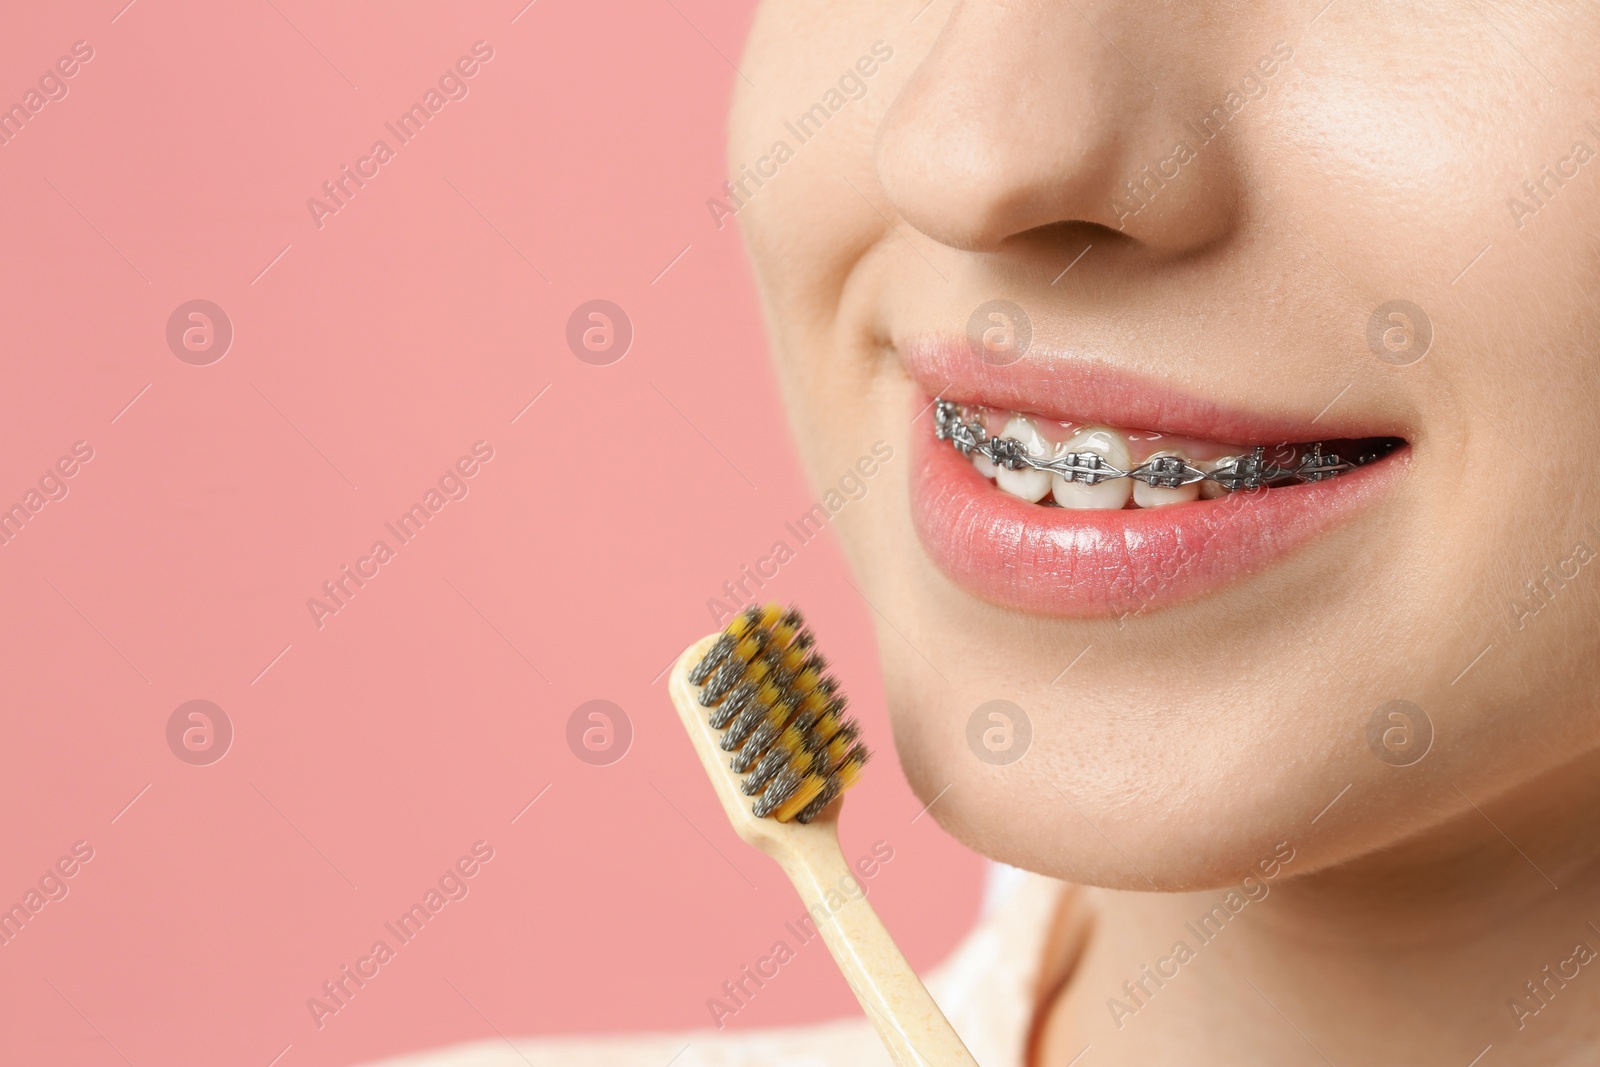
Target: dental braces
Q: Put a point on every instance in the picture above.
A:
(1247, 472)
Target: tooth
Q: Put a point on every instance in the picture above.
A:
(1027, 484)
(1150, 496)
(993, 423)
(1110, 446)
(1210, 490)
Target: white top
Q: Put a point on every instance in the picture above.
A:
(989, 988)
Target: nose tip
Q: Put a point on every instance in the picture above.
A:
(1021, 120)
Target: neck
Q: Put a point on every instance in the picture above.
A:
(1484, 931)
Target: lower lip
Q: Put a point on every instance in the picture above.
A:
(1100, 564)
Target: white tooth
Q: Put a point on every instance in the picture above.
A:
(1027, 484)
(1210, 490)
(981, 463)
(1150, 496)
(1110, 446)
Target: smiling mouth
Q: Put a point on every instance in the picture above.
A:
(1103, 468)
(1036, 490)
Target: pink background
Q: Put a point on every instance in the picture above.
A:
(370, 753)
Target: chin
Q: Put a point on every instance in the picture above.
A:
(1107, 793)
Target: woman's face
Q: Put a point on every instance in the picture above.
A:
(1198, 228)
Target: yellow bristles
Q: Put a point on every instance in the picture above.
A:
(785, 729)
(815, 700)
(850, 770)
(810, 787)
(779, 714)
(791, 740)
(806, 681)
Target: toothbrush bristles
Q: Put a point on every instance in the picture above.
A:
(781, 715)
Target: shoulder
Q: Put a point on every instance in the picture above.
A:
(849, 1042)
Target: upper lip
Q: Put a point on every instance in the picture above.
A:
(1057, 384)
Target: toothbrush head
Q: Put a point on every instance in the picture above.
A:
(774, 714)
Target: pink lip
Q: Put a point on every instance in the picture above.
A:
(1083, 390)
(1098, 564)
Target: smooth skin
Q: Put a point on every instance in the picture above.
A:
(1383, 159)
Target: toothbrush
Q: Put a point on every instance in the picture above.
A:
(769, 726)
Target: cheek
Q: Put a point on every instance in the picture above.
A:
(997, 808)
(803, 225)
(1014, 813)
(923, 738)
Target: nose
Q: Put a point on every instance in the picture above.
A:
(1026, 115)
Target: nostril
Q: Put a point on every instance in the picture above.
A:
(1061, 129)
(968, 186)
(973, 150)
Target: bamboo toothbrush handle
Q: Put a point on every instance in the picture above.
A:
(909, 1023)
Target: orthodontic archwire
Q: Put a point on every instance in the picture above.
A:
(954, 423)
